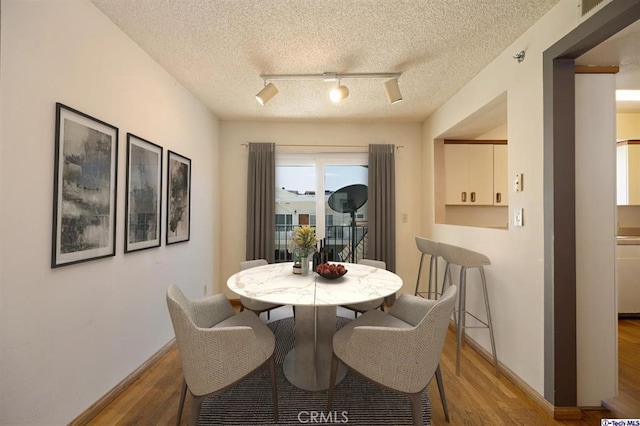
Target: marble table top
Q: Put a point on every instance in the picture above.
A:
(276, 283)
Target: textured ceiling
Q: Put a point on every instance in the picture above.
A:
(218, 49)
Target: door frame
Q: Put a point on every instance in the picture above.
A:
(560, 364)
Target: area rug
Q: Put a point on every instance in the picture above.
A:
(356, 401)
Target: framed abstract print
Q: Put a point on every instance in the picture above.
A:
(84, 188)
(178, 198)
(144, 194)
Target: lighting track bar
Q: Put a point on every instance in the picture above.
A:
(327, 76)
(338, 93)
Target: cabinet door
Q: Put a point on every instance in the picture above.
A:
(456, 166)
(500, 176)
(480, 174)
(633, 170)
(622, 174)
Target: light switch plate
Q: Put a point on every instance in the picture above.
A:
(517, 183)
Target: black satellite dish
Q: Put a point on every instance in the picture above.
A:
(348, 200)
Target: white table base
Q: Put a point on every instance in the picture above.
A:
(308, 365)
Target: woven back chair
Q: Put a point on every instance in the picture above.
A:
(217, 347)
(399, 350)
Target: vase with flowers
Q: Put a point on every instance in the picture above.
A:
(303, 244)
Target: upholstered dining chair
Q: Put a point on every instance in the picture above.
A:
(399, 350)
(359, 308)
(217, 347)
(251, 304)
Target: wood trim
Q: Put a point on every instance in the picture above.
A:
(628, 142)
(110, 396)
(475, 141)
(557, 413)
(597, 69)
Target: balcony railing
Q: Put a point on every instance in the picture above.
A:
(339, 243)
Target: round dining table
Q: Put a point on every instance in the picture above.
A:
(308, 364)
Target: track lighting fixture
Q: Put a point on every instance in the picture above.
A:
(267, 92)
(519, 56)
(338, 93)
(393, 90)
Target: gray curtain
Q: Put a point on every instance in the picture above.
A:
(382, 204)
(261, 184)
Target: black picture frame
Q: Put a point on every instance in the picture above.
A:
(84, 188)
(143, 201)
(178, 224)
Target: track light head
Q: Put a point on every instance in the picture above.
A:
(266, 94)
(393, 91)
(339, 93)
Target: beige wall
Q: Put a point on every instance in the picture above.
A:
(69, 335)
(628, 125)
(516, 276)
(233, 166)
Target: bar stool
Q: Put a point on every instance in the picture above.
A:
(467, 259)
(431, 248)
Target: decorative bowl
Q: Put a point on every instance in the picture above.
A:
(331, 272)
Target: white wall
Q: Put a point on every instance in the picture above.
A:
(69, 335)
(597, 358)
(233, 166)
(516, 276)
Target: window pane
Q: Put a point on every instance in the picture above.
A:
(295, 202)
(346, 224)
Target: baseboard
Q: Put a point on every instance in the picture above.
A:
(557, 413)
(108, 398)
(235, 303)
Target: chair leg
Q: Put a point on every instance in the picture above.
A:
(182, 396)
(416, 408)
(443, 397)
(461, 316)
(418, 279)
(489, 324)
(196, 404)
(274, 387)
(332, 381)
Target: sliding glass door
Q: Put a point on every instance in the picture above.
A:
(325, 191)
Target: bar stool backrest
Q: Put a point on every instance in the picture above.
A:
(428, 246)
(463, 257)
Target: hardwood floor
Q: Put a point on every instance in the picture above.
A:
(476, 397)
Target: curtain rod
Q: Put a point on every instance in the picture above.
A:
(325, 146)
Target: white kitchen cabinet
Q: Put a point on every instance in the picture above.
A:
(628, 278)
(628, 172)
(500, 178)
(470, 174)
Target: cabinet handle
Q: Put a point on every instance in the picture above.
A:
(463, 197)
(498, 197)
(473, 197)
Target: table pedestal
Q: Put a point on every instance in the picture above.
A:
(308, 365)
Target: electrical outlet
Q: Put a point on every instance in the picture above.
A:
(204, 289)
(517, 218)
(405, 218)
